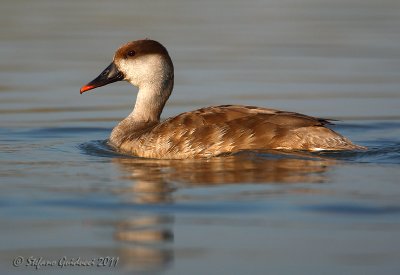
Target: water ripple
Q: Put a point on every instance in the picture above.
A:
(381, 154)
(384, 153)
(99, 148)
(353, 209)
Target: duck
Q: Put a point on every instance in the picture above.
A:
(206, 132)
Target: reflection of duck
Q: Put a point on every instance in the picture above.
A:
(147, 239)
(205, 132)
(154, 177)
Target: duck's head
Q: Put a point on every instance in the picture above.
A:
(141, 62)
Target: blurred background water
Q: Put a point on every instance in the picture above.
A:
(65, 193)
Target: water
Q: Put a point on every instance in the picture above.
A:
(65, 193)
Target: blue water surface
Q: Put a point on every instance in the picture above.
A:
(66, 194)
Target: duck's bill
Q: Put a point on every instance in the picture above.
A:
(109, 75)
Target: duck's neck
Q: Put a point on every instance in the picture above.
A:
(150, 102)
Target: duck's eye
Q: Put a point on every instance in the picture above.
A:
(131, 53)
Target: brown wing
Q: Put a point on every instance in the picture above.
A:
(226, 113)
(229, 128)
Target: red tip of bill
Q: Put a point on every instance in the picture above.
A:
(86, 88)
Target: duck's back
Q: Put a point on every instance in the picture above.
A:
(230, 128)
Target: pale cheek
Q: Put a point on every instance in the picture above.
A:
(131, 70)
(143, 70)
